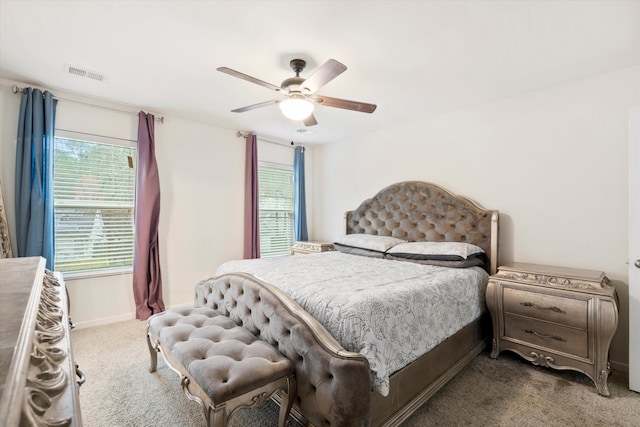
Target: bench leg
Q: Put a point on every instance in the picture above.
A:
(217, 417)
(153, 355)
(285, 406)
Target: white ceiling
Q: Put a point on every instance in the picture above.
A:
(414, 59)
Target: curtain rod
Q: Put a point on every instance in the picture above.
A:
(281, 144)
(160, 119)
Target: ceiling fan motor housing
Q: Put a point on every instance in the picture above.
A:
(292, 84)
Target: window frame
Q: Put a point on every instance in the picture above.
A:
(288, 168)
(100, 139)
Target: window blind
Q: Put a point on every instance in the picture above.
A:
(275, 198)
(94, 196)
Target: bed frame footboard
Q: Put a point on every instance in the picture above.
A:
(333, 385)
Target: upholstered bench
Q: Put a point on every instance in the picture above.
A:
(223, 366)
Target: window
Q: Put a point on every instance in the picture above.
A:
(94, 196)
(275, 200)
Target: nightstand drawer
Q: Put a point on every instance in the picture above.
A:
(565, 311)
(548, 335)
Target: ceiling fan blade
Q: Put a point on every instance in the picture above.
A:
(310, 121)
(254, 106)
(323, 75)
(248, 78)
(328, 101)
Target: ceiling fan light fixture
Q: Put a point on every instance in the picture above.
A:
(296, 108)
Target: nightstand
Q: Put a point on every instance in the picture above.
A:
(311, 247)
(561, 318)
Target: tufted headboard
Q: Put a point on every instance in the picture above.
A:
(421, 211)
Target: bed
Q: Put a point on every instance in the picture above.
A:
(330, 286)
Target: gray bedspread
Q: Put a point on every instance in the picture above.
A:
(392, 312)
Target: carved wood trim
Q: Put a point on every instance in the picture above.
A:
(5, 241)
(40, 388)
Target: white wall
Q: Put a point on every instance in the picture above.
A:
(201, 179)
(553, 161)
(201, 220)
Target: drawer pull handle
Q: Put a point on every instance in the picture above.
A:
(551, 308)
(553, 337)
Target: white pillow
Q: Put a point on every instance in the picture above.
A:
(369, 241)
(435, 250)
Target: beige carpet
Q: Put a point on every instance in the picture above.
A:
(120, 391)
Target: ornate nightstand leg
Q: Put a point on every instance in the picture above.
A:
(492, 293)
(494, 349)
(601, 382)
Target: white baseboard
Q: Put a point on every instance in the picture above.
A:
(618, 366)
(104, 320)
(114, 319)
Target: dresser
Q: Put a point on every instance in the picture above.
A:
(311, 247)
(556, 317)
(37, 371)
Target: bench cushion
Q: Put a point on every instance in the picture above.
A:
(225, 359)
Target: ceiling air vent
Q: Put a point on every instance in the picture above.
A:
(83, 72)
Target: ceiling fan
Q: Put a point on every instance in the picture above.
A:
(299, 92)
